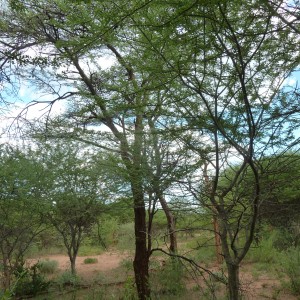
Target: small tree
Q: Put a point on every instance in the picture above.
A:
(20, 210)
(74, 195)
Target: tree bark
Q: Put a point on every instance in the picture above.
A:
(171, 224)
(141, 259)
(233, 281)
(217, 240)
(6, 274)
(73, 264)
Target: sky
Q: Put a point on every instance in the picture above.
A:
(25, 94)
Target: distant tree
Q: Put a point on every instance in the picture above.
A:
(279, 177)
(21, 196)
(74, 199)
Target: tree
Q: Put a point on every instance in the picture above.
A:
(76, 38)
(279, 177)
(74, 197)
(218, 69)
(121, 98)
(231, 60)
(20, 214)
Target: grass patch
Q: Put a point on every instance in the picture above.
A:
(86, 250)
(35, 251)
(126, 239)
(290, 261)
(168, 280)
(67, 279)
(47, 266)
(90, 260)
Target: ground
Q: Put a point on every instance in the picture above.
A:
(255, 286)
(106, 262)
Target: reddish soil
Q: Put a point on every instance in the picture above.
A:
(261, 286)
(106, 262)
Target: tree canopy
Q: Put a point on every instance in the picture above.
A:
(190, 89)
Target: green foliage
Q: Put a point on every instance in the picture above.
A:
(208, 71)
(48, 266)
(290, 262)
(129, 289)
(86, 250)
(90, 260)
(21, 191)
(106, 231)
(6, 294)
(67, 279)
(168, 279)
(126, 236)
(29, 281)
(284, 238)
(265, 252)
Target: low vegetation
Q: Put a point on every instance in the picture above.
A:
(90, 260)
(170, 278)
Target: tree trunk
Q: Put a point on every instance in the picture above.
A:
(233, 281)
(141, 259)
(171, 224)
(217, 240)
(6, 274)
(73, 265)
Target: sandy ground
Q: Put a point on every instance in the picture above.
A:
(261, 287)
(106, 261)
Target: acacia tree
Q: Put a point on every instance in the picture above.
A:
(74, 197)
(280, 195)
(231, 59)
(20, 198)
(74, 40)
(220, 66)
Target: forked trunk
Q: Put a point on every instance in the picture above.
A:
(73, 265)
(233, 281)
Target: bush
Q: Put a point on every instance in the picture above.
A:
(290, 262)
(86, 250)
(29, 281)
(129, 289)
(169, 279)
(48, 266)
(67, 278)
(283, 239)
(106, 233)
(126, 239)
(90, 260)
(265, 251)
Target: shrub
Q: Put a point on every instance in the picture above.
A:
(48, 266)
(129, 289)
(126, 238)
(290, 261)
(90, 260)
(265, 251)
(169, 279)
(29, 281)
(67, 278)
(86, 250)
